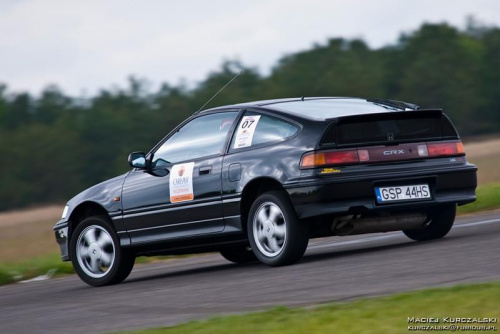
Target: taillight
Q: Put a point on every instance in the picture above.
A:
(382, 154)
(318, 159)
(452, 148)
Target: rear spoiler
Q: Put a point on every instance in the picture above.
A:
(420, 113)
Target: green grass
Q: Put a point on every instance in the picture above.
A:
(376, 315)
(26, 269)
(488, 198)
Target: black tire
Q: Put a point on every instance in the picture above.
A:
(238, 254)
(441, 221)
(286, 248)
(101, 261)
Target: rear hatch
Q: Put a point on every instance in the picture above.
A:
(385, 137)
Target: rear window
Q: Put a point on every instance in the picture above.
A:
(388, 130)
(401, 127)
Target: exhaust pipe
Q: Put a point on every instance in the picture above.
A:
(349, 225)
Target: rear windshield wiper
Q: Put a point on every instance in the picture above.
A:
(394, 104)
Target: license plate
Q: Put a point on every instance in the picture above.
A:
(402, 193)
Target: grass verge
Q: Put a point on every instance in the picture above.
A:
(488, 198)
(375, 315)
(27, 269)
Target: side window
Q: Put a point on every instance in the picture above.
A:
(255, 129)
(203, 136)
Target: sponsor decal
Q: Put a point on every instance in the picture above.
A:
(246, 130)
(329, 170)
(181, 183)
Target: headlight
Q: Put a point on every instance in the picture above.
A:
(65, 212)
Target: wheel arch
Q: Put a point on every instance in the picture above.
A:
(82, 211)
(251, 191)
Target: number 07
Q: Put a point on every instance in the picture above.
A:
(247, 124)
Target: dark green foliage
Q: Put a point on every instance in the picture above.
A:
(54, 146)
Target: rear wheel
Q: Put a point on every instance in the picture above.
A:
(276, 235)
(441, 221)
(238, 254)
(96, 254)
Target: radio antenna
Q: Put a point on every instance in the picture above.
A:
(220, 90)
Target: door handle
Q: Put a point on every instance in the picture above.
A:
(205, 170)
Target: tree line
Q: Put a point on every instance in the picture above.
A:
(53, 145)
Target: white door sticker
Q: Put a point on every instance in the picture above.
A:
(245, 132)
(181, 183)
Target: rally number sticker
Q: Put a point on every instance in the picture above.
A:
(246, 130)
(181, 183)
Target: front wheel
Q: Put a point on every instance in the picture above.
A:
(96, 254)
(441, 221)
(276, 235)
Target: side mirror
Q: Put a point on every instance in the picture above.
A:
(137, 160)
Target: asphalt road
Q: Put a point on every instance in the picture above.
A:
(333, 269)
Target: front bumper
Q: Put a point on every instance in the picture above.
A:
(61, 233)
(347, 194)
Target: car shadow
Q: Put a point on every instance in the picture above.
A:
(319, 255)
(204, 269)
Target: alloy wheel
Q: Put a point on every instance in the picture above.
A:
(95, 251)
(269, 229)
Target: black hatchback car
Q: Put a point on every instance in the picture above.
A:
(258, 180)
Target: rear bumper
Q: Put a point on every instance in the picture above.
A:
(61, 234)
(345, 194)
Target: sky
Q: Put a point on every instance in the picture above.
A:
(85, 46)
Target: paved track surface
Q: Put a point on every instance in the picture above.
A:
(333, 269)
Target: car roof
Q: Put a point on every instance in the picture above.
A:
(322, 108)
